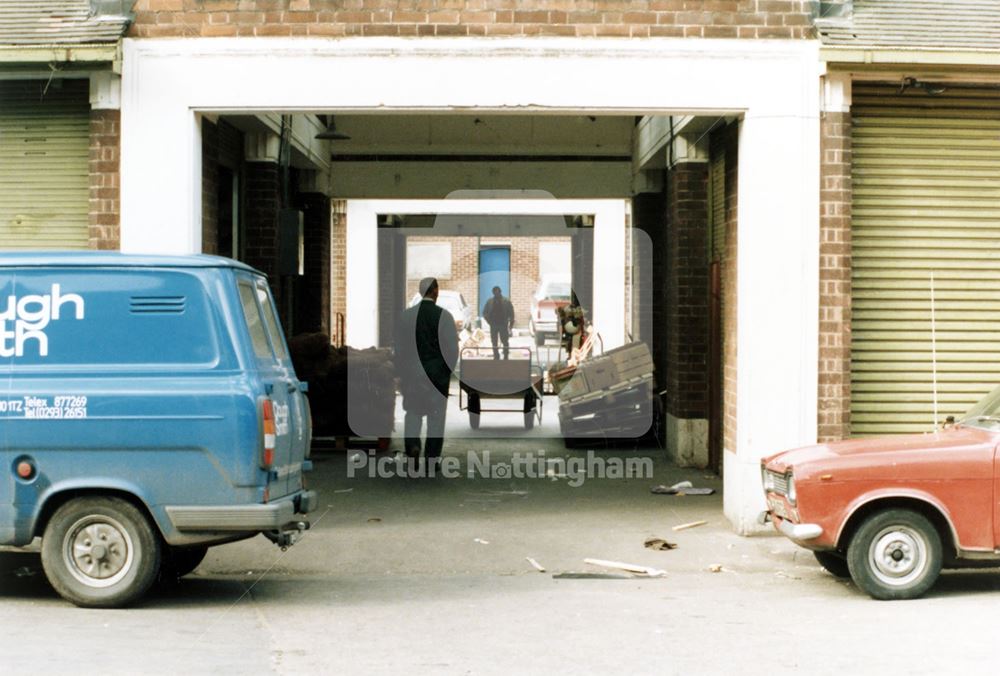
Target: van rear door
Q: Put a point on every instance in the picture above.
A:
(291, 427)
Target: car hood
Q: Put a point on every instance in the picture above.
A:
(868, 453)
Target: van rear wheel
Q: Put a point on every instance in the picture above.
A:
(100, 552)
(181, 561)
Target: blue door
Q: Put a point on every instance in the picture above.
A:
(494, 270)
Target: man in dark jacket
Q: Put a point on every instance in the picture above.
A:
(426, 354)
(499, 312)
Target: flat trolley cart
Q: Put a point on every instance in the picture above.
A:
(483, 377)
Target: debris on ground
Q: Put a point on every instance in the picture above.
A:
(785, 575)
(628, 567)
(344, 490)
(715, 568)
(659, 544)
(534, 564)
(25, 571)
(592, 576)
(693, 524)
(375, 519)
(481, 541)
(681, 488)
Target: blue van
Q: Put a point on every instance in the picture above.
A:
(148, 410)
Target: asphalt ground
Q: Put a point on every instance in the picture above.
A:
(429, 576)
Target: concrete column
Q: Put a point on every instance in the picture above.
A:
(687, 320)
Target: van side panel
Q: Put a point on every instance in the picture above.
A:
(125, 378)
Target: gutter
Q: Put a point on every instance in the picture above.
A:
(882, 56)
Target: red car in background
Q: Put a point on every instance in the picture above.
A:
(553, 292)
(891, 512)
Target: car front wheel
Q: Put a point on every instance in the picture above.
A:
(833, 563)
(895, 554)
(100, 552)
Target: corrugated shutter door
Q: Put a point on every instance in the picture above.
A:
(926, 176)
(44, 164)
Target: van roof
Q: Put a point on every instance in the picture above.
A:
(114, 259)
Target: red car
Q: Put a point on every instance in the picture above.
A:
(891, 512)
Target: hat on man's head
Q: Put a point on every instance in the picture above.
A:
(427, 284)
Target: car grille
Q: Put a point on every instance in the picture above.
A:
(779, 482)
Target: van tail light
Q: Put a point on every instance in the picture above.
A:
(267, 428)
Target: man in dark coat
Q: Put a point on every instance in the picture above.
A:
(499, 312)
(426, 354)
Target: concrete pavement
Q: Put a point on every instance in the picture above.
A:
(393, 580)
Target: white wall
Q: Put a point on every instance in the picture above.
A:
(774, 84)
(608, 302)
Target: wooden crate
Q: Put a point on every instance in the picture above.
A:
(631, 357)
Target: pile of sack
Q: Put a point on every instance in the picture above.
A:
(351, 392)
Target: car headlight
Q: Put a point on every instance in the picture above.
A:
(791, 489)
(765, 480)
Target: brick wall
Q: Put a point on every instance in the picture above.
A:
(209, 187)
(312, 307)
(338, 264)
(105, 157)
(687, 319)
(649, 211)
(574, 18)
(261, 249)
(730, 142)
(835, 278)
(524, 273)
(464, 276)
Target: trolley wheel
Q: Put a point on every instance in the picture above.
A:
(474, 410)
(530, 401)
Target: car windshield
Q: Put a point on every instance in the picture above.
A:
(450, 303)
(556, 290)
(986, 413)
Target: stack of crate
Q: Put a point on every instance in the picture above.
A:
(610, 395)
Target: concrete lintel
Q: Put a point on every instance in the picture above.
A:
(689, 147)
(105, 91)
(261, 147)
(836, 92)
(647, 181)
(314, 181)
(307, 152)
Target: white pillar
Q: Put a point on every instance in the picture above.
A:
(361, 319)
(778, 302)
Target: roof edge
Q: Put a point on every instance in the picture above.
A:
(929, 56)
(102, 52)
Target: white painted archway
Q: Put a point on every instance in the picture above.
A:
(607, 313)
(774, 84)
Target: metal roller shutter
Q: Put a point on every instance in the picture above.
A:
(44, 172)
(926, 176)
